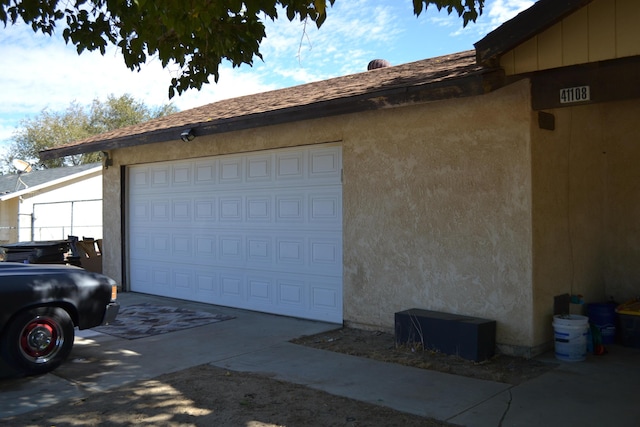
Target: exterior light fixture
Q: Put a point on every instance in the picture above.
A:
(187, 135)
(106, 159)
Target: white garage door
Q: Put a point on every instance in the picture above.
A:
(259, 231)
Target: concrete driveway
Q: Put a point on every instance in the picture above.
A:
(99, 362)
(601, 389)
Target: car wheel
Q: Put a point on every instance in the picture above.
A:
(38, 340)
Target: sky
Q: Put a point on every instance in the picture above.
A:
(39, 72)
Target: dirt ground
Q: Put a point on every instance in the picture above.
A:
(210, 396)
(381, 346)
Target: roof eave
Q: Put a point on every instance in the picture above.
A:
(527, 24)
(51, 183)
(475, 83)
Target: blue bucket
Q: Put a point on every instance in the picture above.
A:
(603, 317)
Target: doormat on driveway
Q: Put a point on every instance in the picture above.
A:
(144, 320)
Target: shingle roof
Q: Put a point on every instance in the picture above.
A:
(16, 183)
(420, 81)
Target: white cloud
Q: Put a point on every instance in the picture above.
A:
(501, 11)
(39, 72)
(495, 14)
(344, 44)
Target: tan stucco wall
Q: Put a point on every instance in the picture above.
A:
(437, 212)
(586, 205)
(436, 206)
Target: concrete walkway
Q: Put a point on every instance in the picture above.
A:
(603, 390)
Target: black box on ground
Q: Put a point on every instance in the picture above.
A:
(468, 337)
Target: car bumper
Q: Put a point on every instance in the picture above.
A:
(110, 313)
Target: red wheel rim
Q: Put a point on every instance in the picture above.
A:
(40, 339)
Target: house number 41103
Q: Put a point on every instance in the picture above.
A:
(574, 94)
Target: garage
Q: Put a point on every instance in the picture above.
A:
(259, 231)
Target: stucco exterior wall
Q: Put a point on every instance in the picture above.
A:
(586, 205)
(437, 212)
(436, 205)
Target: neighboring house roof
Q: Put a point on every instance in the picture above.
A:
(525, 25)
(15, 185)
(443, 77)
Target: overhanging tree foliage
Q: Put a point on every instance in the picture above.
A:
(197, 35)
(76, 122)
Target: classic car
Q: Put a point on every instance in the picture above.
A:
(40, 307)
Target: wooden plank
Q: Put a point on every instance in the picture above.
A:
(627, 27)
(526, 56)
(528, 24)
(602, 30)
(507, 63)
(575, 36)
(550, 48)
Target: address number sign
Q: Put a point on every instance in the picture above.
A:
(574, 94)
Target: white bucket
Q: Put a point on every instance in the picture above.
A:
(570, 336)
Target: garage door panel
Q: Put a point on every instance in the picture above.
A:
(284, 252)
(261, 290)
(259, 169)
(138, 179)
(204, 210)
(183, 280)
(160, 244)
(324, 297)
(231, 288)
(320, 204)
(205, 248)
(260, 250)
(181, 210)
(290, 251)
(324, 208)
(138, 242)
(324, 251)
(181, 175)
(140, 274)
(291, 293)
(260, 231)
(290, 166)
(160, 177)
(206, 284)
(230, 171)
(325, 163)
(259, 209)
(160, 211)
(182, 247)
(290, 208)
(270, 292)
(139, 212)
